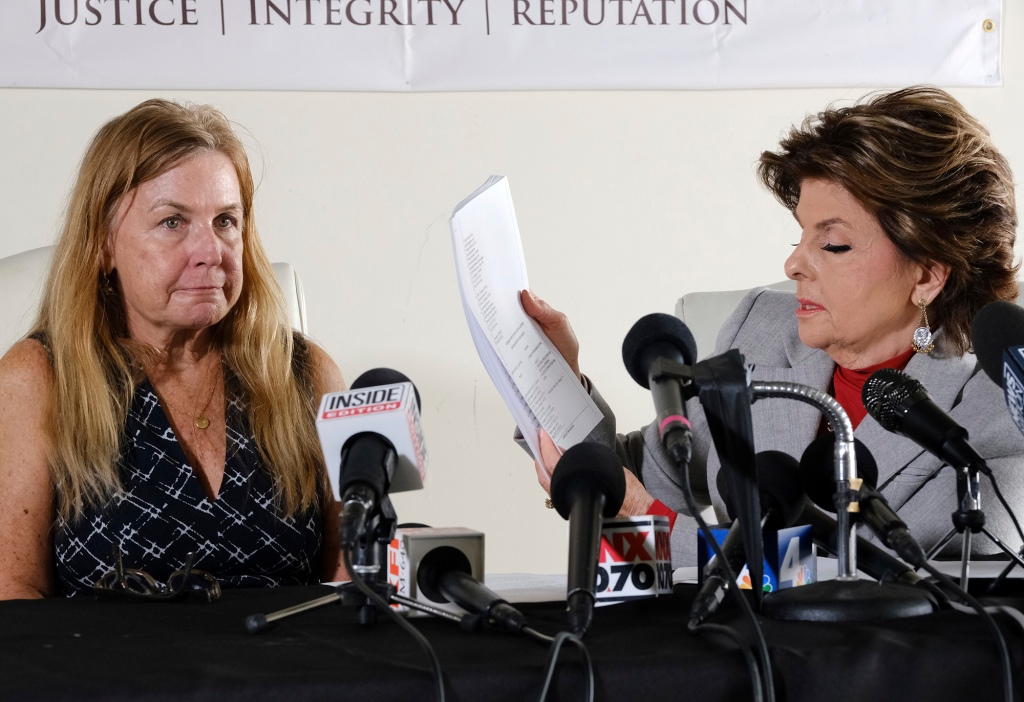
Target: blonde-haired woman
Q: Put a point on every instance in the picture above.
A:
(161, 407)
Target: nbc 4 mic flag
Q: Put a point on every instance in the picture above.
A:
(790, 558)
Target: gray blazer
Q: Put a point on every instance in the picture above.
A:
(918, 485)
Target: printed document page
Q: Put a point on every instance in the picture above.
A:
(533, 379)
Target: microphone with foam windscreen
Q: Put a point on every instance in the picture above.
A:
(872, 508)
(780, 491)
(658, 352)
(781, 479)
(782, 500)
(654, 350)
(587, 485)
(997, 334)
(818, 479)
(901, 405)
(876, 562)
(847, 599)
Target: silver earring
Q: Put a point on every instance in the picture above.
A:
(923, 341)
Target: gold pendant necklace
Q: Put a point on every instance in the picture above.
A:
(200, 421)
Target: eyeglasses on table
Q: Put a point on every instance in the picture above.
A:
(132, 584)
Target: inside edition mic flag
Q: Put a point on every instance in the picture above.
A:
(381, 401)
(373, 445)
(725, 396)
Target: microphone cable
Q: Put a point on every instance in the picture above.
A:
(1002, 500)
(752, 670)
(1004, 653)
(557, 642)
(1020, 552)
(471, 622)
(761, 675)
(435, 664)
(467, 624)
(982, 467)
(999, 579)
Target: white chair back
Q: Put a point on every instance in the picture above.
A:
(21, 286)
(705, 312)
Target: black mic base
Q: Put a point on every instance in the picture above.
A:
(848, 601)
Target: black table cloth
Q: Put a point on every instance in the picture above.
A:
(84, 649)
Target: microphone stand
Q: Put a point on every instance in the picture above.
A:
(969, 519)
(367, 557)
(255, 623)
(847, 598)
(845, 462)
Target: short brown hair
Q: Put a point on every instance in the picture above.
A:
(929, 172)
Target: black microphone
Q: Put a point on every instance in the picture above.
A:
(368, 462)
(817, 474)
(781, 500)
(445, 575)
(997, 334)
(587, 484)
(901, 405)
(876, 562)
(841, 599)
(781, 493)
(783, 475)
(873, 509)
(655, 344)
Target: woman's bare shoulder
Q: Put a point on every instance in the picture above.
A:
(26, 488)
(25, 369)
(326, 374)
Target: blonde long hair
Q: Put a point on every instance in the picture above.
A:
(82, 318)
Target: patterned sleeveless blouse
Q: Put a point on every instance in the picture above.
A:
(162, 512)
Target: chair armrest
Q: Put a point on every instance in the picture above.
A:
(294, 299)
(21, 287)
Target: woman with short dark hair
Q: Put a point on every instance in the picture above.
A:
(907, 219)
(928, 171)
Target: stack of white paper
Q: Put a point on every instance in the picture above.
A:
(536, 383)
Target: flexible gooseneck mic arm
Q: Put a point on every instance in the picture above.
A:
(845, 460)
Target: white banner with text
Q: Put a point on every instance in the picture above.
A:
(432, 45)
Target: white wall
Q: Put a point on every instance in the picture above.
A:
(625, 200)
